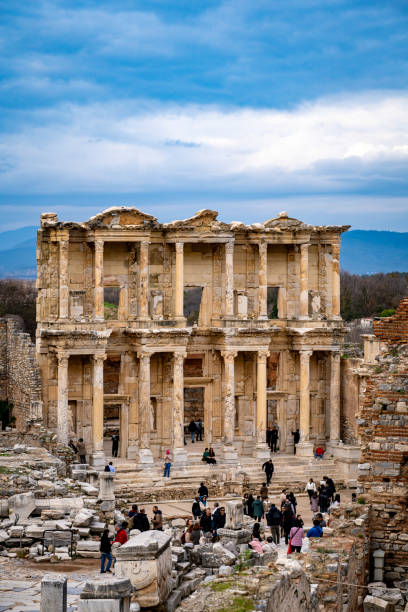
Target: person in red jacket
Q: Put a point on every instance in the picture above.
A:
(121, 535)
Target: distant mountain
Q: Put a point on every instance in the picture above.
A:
(363, 252)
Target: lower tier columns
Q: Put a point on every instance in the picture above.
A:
(145, 409)
(179, 454)
(262, 451)
(305, 447)
(229, 452)
(98, 455)
(62, 407)
(334, 401)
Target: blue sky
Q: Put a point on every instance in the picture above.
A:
(248, 107)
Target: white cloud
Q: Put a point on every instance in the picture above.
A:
(328, 145)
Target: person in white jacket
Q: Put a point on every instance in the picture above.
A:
(310, 488)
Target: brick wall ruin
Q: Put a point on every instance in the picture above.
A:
(383, 426)
(20, 378)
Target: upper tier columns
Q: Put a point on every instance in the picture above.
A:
(229, 279)
(304, 281)
(230, 454)
(262, 451)
(63, 279)
(144, 279)
(334, 396)
(62, 408)
(145, 410)
(179, 296)
(336, 281)
(263, 280)
(98, 455)
(180, 455)
(98, 279)
(305, 447)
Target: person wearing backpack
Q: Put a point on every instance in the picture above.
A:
(296, 536)
(274, 522)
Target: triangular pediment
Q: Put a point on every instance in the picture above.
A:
(284, 221)
(121, 216)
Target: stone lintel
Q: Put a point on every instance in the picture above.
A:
(146, 545)
(107, 588)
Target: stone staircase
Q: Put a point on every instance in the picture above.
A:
(291, 472)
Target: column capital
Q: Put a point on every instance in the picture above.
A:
(63, 355)
(144, 354)
(263, 354)
(263, 246)
(305, 353)
(304, 247)
(179, 355)
(229, 247)
(335, 354)
(64, 244)
(229, 355)
(99, 243)
(99, 356)
(336, 250)
(179, 247)
(145, 243)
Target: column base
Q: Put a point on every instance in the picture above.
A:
(334, 447)
(180, 458)
(229, 455)
(98, 460)
(304, 449)
(262, 452)
(146, 457)
(132, 452)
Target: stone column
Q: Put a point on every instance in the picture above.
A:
(263, 281)
(98, 279)
(304, 281)
(229, 454)
(336, 281)
(144, 280)
(179, 289)
(54, 593)
(98, 454)
(262, 451)
(63, 279)
(145, 409)
(334, 397)
(229, 279)
(305, 448)
(179, 454)
(62, 410)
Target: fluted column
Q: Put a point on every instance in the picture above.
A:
(179, 455)
(334, 396)
(62, 407)
(305, 447)
(262, 450)
(63, 279)
(336, 281)
(144, 280)
(179, 290)
(98, 454)
(229, 279)
(98, 279)
(263, 281)
(230, 454)
(304, 281)
(145, 409)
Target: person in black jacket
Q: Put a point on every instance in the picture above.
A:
(331, 489)
(296, 439)
(202, 491)
(206, 522)
(192, 429)
(106, 554)
(140, 521)
(324, 498)
(196, 508)
(268, 468)
(219, 520)
(274, 522)
(274, 439)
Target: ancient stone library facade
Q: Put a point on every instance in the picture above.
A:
(116, 343)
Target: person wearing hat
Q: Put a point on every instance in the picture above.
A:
(167, 464)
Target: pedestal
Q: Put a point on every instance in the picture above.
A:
(146, 457)
(304, 449)
(229, 455)
(98, 460)
(132, 452)
(180, 458)
(262, 452)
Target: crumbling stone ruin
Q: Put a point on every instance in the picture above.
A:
(114, 340)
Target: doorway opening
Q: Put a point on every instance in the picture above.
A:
(272, 302)
(192, 304)
(111, 297)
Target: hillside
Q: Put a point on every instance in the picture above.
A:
(363, 252)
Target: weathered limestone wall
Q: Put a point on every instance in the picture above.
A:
(394, 330)
(19, 373)
(383, 426)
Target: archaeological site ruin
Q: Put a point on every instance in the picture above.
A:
(114, 339)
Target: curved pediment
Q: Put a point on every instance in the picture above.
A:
(205, 218)
(283, 221)
(121, 216)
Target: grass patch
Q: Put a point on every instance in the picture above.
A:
(5, 470)
(361, 500)
(218, 587)
(5, 454)
(239, 604)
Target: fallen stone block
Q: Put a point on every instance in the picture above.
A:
(375, 604)
(106, 595)
(83, 518)
(22, 504)
(17, 531)
(225, 570)
(173, 600)
(87, 546)
(3, 535)
(54, 593)
(51, 514)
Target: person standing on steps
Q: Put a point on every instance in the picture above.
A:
(192, 429)
(81, 450)
(106, 552)
(115, 445)
(274, 439)
(259, 510)
(274, 522)
(157, 520)
(310, 488)
(268, 436)
(167, 465)
(296, 439)
(268, 468)
(264, 492)
(199, 430)
(202, 491)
